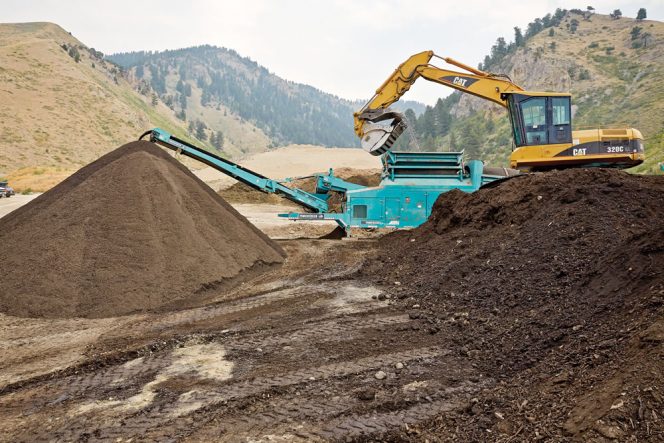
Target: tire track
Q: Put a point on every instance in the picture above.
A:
(324, 331)
(116, 377)
(329, 419)
(379, 423)
(169, 418)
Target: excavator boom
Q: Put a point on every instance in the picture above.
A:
(377, 137)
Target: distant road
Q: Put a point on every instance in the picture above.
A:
(7, 205)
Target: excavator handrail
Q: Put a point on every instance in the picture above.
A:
(238, 172)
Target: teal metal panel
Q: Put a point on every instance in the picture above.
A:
(392, 211)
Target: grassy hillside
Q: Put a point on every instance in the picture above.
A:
(63, 105)
(216, 89)
(615, 80)
(253, 108)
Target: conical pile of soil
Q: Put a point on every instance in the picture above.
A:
(552, 286)
(133, 231)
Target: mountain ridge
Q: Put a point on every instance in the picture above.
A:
(223, 82)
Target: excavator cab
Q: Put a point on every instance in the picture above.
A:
(540, 118)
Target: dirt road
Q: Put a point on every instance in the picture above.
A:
(308, 352)
(7, 205)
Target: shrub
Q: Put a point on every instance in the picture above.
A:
(572, 72)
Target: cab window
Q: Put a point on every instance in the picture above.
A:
(516, 125)
(561, 111)
(533, 111)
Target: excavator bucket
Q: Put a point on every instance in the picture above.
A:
(379, 138)
(379, 134)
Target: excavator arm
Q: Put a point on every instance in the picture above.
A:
(378, 137)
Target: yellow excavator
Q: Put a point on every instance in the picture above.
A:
(541, 121)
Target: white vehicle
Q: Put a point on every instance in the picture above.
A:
(6, 190)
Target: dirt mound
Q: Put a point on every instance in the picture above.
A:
(241, 193)
(133, 231)
(552, 286)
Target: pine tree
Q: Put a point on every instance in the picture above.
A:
(168, 101)
(644, 38)
(641, 15)
(219, 140)
(154, 100)
(518, 37)
(73, 53)
(471, 141)
(499, 50)
(200, 131)
(573, 25)
(490, 125)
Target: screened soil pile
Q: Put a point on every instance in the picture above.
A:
(241, 193)
(133, 231)
(552, 286)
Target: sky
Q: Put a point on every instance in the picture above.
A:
(343, 47)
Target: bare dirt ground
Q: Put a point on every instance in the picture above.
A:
(344, 342)
(277, 359)
(305, 353)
